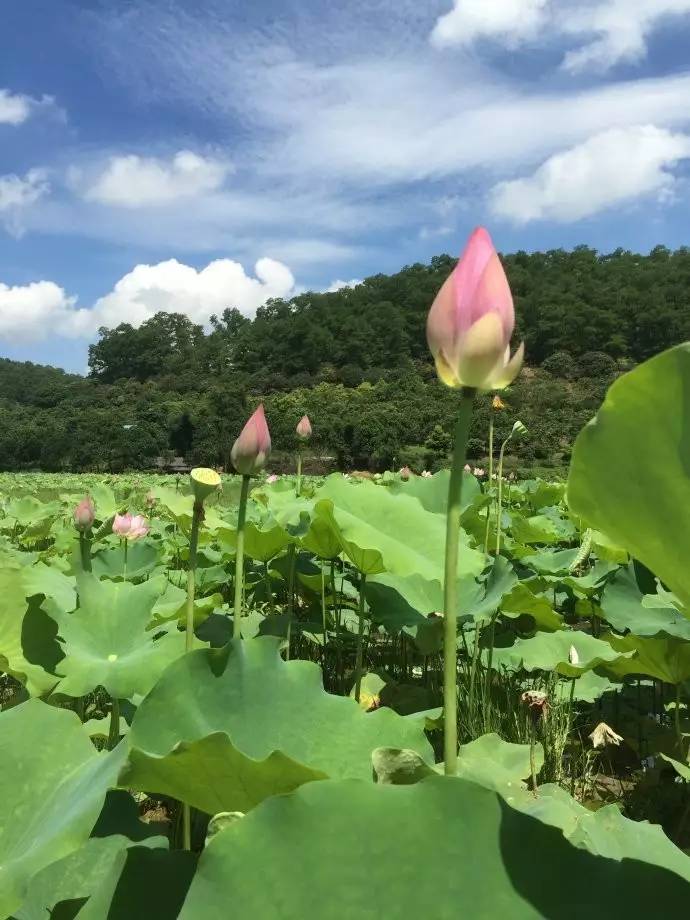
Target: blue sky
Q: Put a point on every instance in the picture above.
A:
(190, 156)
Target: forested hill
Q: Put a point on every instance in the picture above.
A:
(356, 361)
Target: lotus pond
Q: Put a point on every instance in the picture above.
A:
(161, 756)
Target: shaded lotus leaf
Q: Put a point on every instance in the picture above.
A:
(261, 542)
(252, 704)
(432, 491)
(630, 470)
(589, 687)
(623, 606)
(497, 764)
(666, 658)
(322, 539)
(550, 652)
(382, 532)
(107, 643)
(51, 582)
(141, 558)
(520, 600)
(172, 605)
(682, 769)
(482, 863)
(53, 786)
(552, 562)
(24, 632)
(538, 529)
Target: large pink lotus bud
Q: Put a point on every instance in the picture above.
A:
(130, 526)
(304, 428)
(84, 514)
(471, 321)
(251, 450)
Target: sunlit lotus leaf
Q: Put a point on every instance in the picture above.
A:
(112, 562)
(549, 651)
(497, 764)
(630, 472)
(488, 860)
(540, 528)
(53, 783)
(666, 658)
(260, 542)
(552, 562)
(520, 600)
(104, 500)
(44, 579)
(589, 687)
(22, 629)
(252, 703)
(539, 493)
(172, 605)
(106, 642)
(382, 532)
(432, 491)
(622, 604)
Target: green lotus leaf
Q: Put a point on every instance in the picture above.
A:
(172, 605)
(682, 769)
(630, 471)
(381, 532)
(521, 600)
(589, 687)
(253, 704)
(497, 764)
(488, 860)
(51, 582)
(107, 643)
(22, 629)
(53, 786)
(666, 658)
(539, 529)
(432, 491)
(260, 543)
(552, 562)
(113, 562)
(622, 604)
(104, 500)
(549, 651)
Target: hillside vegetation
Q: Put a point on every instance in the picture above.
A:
(356, 361)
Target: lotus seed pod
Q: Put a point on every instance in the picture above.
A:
(204, 482)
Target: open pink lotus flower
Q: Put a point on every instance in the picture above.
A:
(251, 450)
(304, 428)
(472, 319)
(130, 526)
(272, 478)
(84, 514)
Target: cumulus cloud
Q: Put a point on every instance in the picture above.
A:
(134, 182)
(509, 20)
(611, 168)
(32, 311)
(608, 32)
(16, 108)
(17, 193)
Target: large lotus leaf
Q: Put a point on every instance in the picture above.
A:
(18, 630)
(552, 562)
(260, 542)
(487, 860)
(77, 876)
(589, 687)
(550, 652)
(432, 491)
(383, 532)
(51, 582)
(132, 561)
(539, 493)
(106, 642)
(179, 507)
(622, 604)
(630, 471)
(521, 600)
(254, 704)
(52, 787)
(397, 601)
(497, 764)
(682, 769)
(539, 529)
(104, 500)
(322, 539)
(172, 605)
(667, 658)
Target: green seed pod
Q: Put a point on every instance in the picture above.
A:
(204, 482)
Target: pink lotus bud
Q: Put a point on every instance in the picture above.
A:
(84, 514)
(304, 428)
(251, 450)
(130, 526)
(272, 478)
(471, 321)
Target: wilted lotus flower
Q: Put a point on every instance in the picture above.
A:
(497, 403)
(537, 703)
(467, 468)
(272, 478)
(478, 472)
(150, 499)
(573, 656)
(304, 428)
(251, 450)
(130, 526)
(84, 514)
(426, 474)
(603, 734)
(472, 319)
(405, 472)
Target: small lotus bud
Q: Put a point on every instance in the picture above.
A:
(304, 428)
(252, 448)
(471, 321)
(604, 735)
(204, 482)
(573, 656)
(84, 514)
(130, 526)
(518, 429)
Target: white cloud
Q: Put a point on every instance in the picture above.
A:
(134, 182)
(609, 31)
(339, 285)
(14, 109)
(33, 311)
(17, 193)
(509, 20)
(609, 169)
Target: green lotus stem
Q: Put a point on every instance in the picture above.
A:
(450, 586)
(679, 733)
(114, 733)
(299, 473)
(532, 761)
(197, 517)
(570, 719)
(85, 550)
(291, 596)
(360, 638)
(500, 495)
(490, 480)
(323, 612)
(239, 559)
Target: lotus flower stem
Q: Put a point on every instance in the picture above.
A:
(679, 732)
(85, 550)
(323, 612)
(239, 559)
(359, 656)
(114, 733)
(490, 479)
(499, 500)
(197, 517)
(450, 590)
(298, 490)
